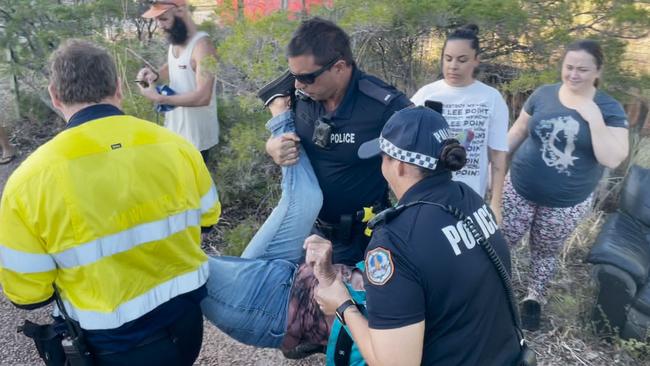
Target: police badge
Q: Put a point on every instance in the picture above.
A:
(379, 266)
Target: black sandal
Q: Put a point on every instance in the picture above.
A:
(531, 312)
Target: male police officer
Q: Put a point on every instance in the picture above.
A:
(345, 108)
(110, 212)
(433, 296)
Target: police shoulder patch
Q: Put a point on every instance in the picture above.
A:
(379, 266)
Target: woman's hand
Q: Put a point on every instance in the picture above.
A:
(610, 144)
(589, 110)
(330, 297)
(319, 257)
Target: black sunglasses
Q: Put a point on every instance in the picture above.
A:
(311, 77)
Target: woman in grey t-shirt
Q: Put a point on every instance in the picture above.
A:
(564, 136)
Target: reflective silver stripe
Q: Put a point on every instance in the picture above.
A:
(109, 245)
(120, 242)
(22, 262)
(137, 307)
(209, 199)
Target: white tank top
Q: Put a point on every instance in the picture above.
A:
(199, 125)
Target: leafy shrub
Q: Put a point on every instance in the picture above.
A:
(238, 237)
(34, 107)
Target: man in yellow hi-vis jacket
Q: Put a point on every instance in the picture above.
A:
(110, 212)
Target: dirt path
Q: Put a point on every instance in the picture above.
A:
(218, 348)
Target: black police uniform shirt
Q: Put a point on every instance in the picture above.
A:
(349, 183)
(423, 265)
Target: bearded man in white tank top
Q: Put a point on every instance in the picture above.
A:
(195, 115)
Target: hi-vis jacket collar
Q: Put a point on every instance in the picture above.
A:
(93, 112)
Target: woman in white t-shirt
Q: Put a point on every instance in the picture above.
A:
(475, 111)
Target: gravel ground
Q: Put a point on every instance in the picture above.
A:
(218, 348)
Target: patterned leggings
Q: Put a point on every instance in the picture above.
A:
(549, 228)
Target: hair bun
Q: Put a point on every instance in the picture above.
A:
(472, 28)
(453, 155)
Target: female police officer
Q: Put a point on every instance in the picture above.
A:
(433, 296)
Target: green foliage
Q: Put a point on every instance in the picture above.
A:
(238, 237)
(528, 81)
(391, 36)
(640, 350)
(566, 305)
(33, 108)
(31, 30)
(246, 176)
(253, 53)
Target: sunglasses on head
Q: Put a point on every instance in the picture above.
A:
(161, 2)
(311, 77)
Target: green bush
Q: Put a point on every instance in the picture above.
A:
(245, 174)
(238, 237)
(33, 107)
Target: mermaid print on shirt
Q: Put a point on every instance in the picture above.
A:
(558, 137)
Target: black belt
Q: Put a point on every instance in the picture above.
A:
(342, 231)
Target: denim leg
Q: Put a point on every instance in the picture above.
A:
(284, 231)
(248, 299)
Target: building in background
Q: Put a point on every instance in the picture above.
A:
(254, 9)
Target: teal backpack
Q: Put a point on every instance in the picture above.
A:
(341, 349)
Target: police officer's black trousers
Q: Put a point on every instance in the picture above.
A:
(179, 346)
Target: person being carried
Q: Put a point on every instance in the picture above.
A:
(110, 199)
(189, 75)
(268, 301)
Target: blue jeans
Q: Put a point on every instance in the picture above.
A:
(248, 297)
(284, 231)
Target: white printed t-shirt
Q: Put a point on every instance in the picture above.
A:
(478, 114)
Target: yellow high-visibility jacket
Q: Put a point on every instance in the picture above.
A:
(110, 211)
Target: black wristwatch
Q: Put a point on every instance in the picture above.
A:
(341, 309)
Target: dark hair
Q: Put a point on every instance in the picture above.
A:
(82, 72)
(322, 39)
(467, 32)
(452, 158)
(591, 47)
(453, 155)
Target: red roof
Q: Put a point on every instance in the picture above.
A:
(258, 8)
